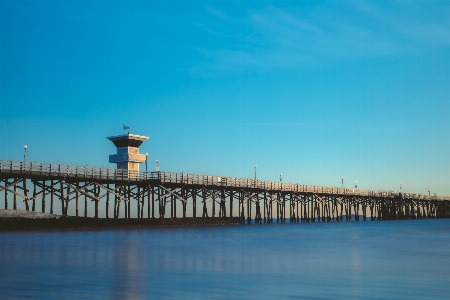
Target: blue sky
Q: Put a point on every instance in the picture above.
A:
(314, 89)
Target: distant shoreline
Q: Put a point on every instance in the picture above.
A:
(11, 224)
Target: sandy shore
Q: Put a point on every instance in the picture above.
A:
(12, 223)
(19, 213)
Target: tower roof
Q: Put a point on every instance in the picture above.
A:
(128, 140)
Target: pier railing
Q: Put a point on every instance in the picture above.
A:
(89, 172)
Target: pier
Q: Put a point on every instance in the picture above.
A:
(157, 194)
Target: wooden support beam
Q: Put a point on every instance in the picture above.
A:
(33, 208)
(43, 197)
(61, 187)
(25, 190)
(148, 201)
(6, 194)
(194, 204)
(231, 203)
(96, 194)
(138, 203)
(129, 202)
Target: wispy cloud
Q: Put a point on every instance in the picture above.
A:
(219, 14)
(280, 38)
(423, 22)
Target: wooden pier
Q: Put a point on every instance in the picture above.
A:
(39, 186)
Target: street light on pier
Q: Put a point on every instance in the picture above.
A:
(157, 166)
(342, 181)
(281, 179)
(400, 187)
(255, 171)
(428, 191)
(146, 158)
(25, 153)
(356, 184)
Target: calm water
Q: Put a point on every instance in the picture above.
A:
(356, 260)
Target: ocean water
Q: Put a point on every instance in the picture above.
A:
(347, 260)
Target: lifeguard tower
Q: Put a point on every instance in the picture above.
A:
(128, 157)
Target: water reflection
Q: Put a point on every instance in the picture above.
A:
(329, 261)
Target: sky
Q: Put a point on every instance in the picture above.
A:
(317, 90)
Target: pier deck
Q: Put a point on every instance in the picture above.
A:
(153, 192)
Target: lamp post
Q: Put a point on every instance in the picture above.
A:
(157, 166)
(428, 191)
(146, 157)
(281, 179)
(400, 187)
(342, 181)
(255, 171)
(356, 184)
(25, 153)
